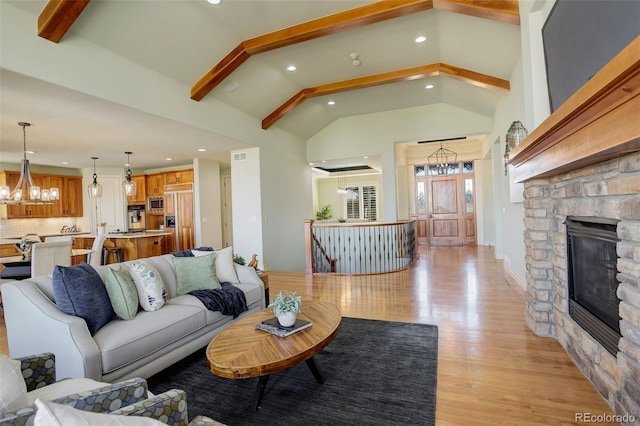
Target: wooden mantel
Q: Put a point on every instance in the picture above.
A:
(599, 122)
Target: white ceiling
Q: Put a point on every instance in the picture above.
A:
(184, 39)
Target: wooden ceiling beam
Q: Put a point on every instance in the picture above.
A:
(342, 21)
(507, 11)
(58, 16)
(475, 78)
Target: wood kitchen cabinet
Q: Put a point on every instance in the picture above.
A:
(69, 204)
(154, 184)
(140, 197)
(179, 176)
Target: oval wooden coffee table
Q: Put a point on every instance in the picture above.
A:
(241, 351)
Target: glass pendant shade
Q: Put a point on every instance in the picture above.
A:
(95, 189)
(129, 185)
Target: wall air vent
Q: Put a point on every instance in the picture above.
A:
(240, 156)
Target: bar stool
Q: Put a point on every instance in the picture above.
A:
(106, 251)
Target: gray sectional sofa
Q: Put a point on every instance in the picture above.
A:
(121, 349)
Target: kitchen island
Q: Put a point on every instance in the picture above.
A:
(135, 245)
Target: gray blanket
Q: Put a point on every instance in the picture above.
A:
(229, 300)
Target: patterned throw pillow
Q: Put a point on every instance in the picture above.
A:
(122, 293)
(78, 290)
(196, 273)
(149, 284)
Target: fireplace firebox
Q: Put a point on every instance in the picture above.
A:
(592, 268)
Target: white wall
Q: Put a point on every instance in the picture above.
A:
(245, 192)
(208, 209)
(287, 201)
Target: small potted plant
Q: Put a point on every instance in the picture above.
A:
(286, 306)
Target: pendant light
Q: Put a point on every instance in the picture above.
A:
(129, 185)
(26, 192)
(442, 159)
(95, 189)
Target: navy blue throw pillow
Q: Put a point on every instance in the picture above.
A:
(78, 290)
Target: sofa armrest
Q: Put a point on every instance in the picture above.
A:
(169, 407)
(108, 398)
(38, 370)
(248, 275)
(35, 325)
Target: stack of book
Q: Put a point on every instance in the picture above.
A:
(273, 326)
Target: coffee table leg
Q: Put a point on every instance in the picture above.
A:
(313, 366)
(257, 396)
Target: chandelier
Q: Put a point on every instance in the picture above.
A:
(441, 159)
(26, 192)
(129, 184)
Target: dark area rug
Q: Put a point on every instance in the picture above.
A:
(376, 373)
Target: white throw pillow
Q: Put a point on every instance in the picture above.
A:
(13, 389)
(52, 414)
(64, 388)
(225, 271)
(151, 291)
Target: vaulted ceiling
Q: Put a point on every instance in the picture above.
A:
(237, 52)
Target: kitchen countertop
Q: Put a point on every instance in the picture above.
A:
(132, 234)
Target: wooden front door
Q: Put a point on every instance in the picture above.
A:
(445, 224)
(445, 205)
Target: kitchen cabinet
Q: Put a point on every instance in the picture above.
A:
(140, 197)
(179, 176)
(70, 203)
(154, 184)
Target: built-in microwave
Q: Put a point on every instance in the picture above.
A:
(155, 204)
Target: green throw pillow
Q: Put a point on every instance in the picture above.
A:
(122, 293)
(196, 273)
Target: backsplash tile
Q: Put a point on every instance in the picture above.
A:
(16, 228)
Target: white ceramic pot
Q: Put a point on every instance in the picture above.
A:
(101, 230)
(287, 319)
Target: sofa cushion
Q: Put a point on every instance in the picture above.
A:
(123, 293)
(149, 285)
(123, 342)
(13, 391)
(52, 414)
(196, 273)
(78, 290)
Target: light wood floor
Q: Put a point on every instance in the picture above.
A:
(492, 370)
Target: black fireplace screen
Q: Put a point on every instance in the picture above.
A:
(592, 267)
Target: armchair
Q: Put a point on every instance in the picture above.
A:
(126, 398)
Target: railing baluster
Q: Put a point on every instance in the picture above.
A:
(360, 248)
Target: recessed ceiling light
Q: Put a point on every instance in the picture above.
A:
(30, 152)
(214, 1)
(230, 86)
(291, 68)
(65, 162)
(324, 161)
(311, 164)
(365, 157)
(429, 86)
(421, 39)
(169, 159)
(202, 150)
(331, 103)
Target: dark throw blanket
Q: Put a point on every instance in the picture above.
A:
(229, 300)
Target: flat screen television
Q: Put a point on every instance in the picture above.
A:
(580, 37)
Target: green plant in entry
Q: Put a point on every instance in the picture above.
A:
(324, 213)
(239, 259)
(286, 301)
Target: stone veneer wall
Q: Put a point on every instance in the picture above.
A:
(610, 190)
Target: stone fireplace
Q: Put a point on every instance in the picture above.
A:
(584, 161)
